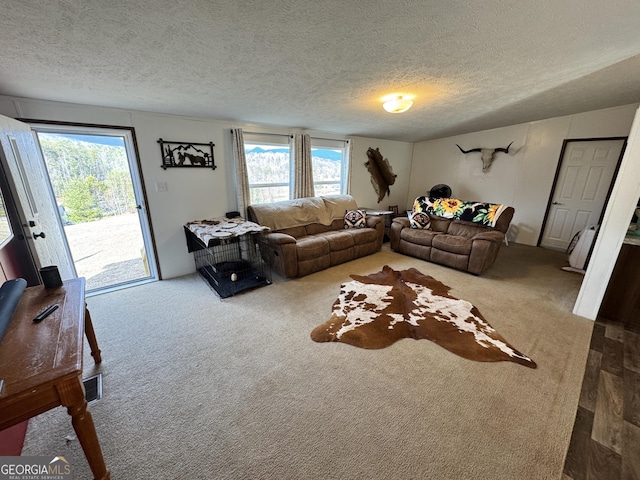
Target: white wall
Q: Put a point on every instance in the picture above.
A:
(524, 177)
(624, 198)
(399, 155)
(194, 194)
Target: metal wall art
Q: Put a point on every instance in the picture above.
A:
(181, 154)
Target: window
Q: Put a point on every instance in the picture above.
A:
(269, 167)
(5, 227)
(329, 170)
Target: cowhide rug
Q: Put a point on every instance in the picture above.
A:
(376, 310)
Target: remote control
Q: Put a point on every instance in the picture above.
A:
(46, 313)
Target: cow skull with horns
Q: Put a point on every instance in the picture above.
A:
(487, 154)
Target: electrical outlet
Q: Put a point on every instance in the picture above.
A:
(161, 186)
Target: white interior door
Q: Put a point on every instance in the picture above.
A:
(580, 191)
(32, 189)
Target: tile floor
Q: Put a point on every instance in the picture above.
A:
(605, 443)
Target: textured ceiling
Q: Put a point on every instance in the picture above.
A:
(325, 64)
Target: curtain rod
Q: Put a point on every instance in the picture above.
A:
(291, 135)
(331, 139)
(267, 134)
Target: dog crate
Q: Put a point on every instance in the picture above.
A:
(230, 265)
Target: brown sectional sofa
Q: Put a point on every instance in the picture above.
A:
(308, 234)
(459, 244)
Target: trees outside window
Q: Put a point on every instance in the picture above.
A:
(268, 168)
(327, 170)
(90, 179)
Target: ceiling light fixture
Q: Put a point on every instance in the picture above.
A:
(397, 104)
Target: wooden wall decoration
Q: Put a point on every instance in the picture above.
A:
(381, 173)
(182, 154)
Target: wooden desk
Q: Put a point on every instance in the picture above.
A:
(41, 364)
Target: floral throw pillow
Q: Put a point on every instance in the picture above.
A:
(419, 220)
(355, 219)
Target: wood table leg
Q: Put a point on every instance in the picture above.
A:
(72, 396)
(91, 336)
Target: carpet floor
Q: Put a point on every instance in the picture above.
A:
(195, 387)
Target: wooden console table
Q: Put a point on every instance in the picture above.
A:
(41, 364)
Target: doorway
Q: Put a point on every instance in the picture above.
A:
(581, 188)
(99, 199)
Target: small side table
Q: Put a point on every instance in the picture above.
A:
(387, 217)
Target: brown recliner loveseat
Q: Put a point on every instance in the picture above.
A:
(308, 234)
(469, 246)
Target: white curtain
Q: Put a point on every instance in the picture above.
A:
(346, 168)
(242, 179)
(302, 174)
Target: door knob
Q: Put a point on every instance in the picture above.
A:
(557, 203)
(36, 235)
